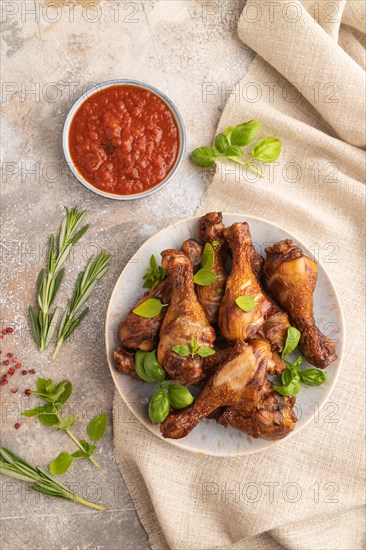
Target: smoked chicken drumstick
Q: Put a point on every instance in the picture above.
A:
(184, 321)
(236, 324)
(291, 278)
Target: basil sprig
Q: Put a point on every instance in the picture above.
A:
(229, 145)
(154, 274)
(292, 377)
(193, 349)
(49, 415)
(166, 395)
(204, 276)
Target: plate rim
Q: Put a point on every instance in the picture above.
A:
(180, 442)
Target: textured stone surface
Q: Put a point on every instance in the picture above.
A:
(51, 52)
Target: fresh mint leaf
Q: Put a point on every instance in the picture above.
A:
(96, 428)
(61, 463)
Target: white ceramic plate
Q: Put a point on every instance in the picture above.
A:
(209, 437)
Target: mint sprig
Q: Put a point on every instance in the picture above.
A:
(49, 415)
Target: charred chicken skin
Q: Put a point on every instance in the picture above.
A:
(184, 321)
(238, 379)
(210, 230)
(236, 324)
(291, 278)
(125, 361)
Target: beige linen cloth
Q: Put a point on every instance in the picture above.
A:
(305, 492)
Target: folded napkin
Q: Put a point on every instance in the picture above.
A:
(307, 86)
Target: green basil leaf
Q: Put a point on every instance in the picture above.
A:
(179, 396)
(159, 406)
(292, 340)
(67, 422)
(221, 142)
(267, 149)
(292, 388)
(204, 277)
(140, 367)
(246, 303)
(243, 134)
(215, 243)
(205, 351)
(204, 157)
(96, 427)
(208, 257)
(152, 368)
(313, 377)
(181, 350)
(233, 151)
(149, 309)
(227, 133)
(61, 463)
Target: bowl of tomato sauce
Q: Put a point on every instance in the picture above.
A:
(124, 139)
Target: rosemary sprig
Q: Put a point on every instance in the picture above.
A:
(84, 286)
(43, 322)
(42, 481)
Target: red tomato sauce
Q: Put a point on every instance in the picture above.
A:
(124, 140)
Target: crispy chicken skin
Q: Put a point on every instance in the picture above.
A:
(210, 230)
(273, 417)
(137, 332)
(193, 250)
(184, 320)
(236, 324)
(238, 379)
(291, 278)
(125, 361)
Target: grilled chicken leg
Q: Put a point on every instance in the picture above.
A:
(141, 333)
(273, 418)
(291, 278)
(210, 230)
(184, 321)
(137, 332)
(236, 324)
(239, 379)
